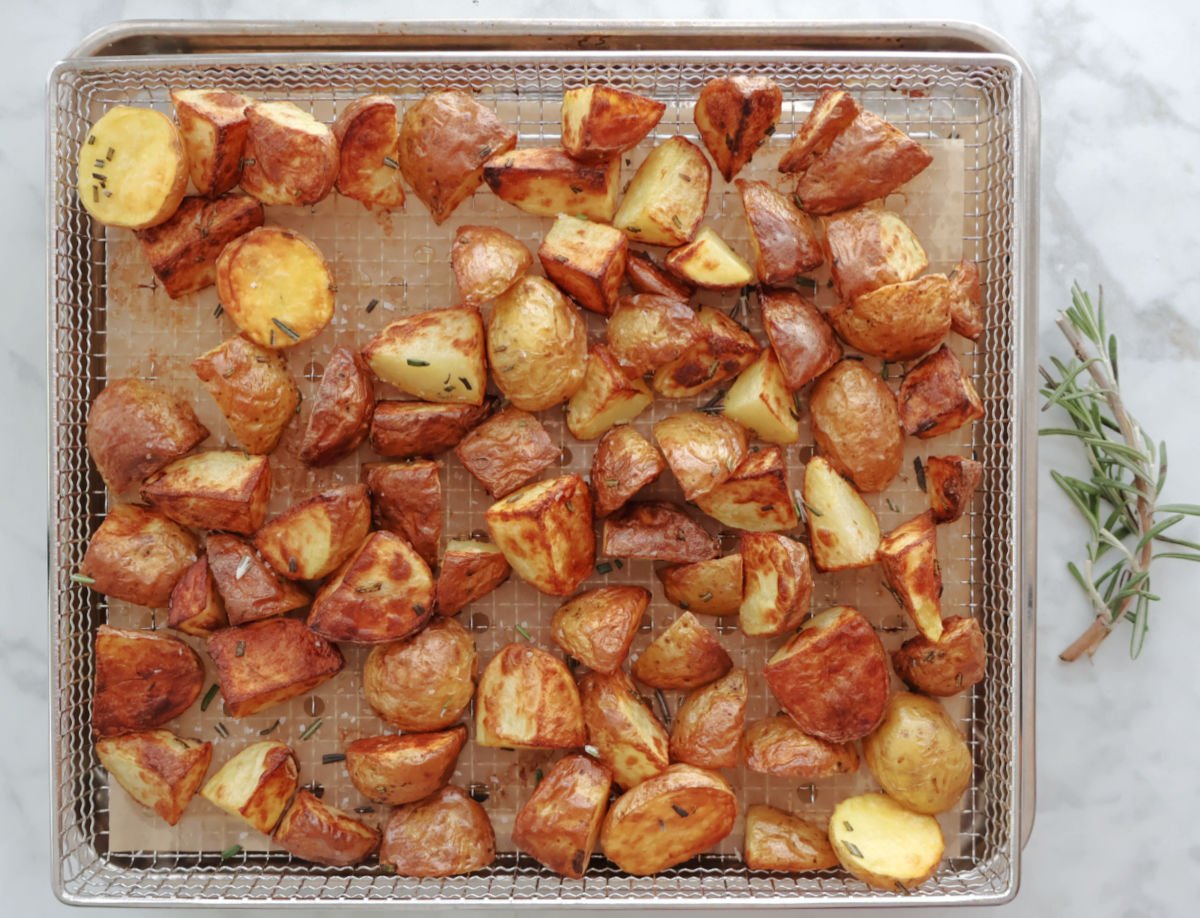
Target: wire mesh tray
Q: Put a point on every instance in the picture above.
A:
(956, 89)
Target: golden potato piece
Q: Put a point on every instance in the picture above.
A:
(158, 769)
(668, 196)
(132, 169)
(951, 482)
(784, 242)
(685, 656)
(801, 338)
(909, 562)
(586, 260)
(256, 785)
(559, 824)
(469, 571)
(314, 831)
(290, 157)
(897, 322)
(884, 844)
(668, 819)
(782, 842)
(249, 587)
(622, 729)
(252, 387)
(658, 531)
(424, 682)
(708, 587)
(646, 276)
(936, 396)
(871, 248)
(760, 400)
(723, 351)
(599, 121)
(221, 489)
(528, 700)
(647, 331)
(951, 665)
(598, 626)
(403, 429)
(856, 425)
(842, 530)
(143, 679)
(708, 726)
(395, 769)
(840, 710)
(702, 450)
(609, 396)
(776, 746)
(196, 607)
(436, 355)
(735, 116)
(918, 755)
(830, 115)
(778, 584)
(138, 555)
(708, 262)
(623, 464)
(545, 181)
(213, 125)
(966, 301)
(507, 450)
(757, 497)
(444, 835)
(314, 537)
(487, 261)
(341, 410)
(368, 138)
(406, 498)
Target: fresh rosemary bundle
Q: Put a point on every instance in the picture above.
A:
(1119, 501)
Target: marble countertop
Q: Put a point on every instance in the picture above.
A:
(1120, 190)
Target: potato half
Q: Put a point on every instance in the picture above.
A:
(138, 555)
(424, 682)
(952, 664)
(220, 489)
(707, 587)
(657, 530)
(832, 112)
(783, 239)
(777, 586)
(856, 425)
(341, 410)
(290, 158)
(214, 127)
(708, 262)
(884, 844)
(599, 121)
(801, 338)
(528, 700)
(843, 531)
(760, 400)
(898, 322)
(870, 248)
(598, 626)
(256, 785)
(621, 727)
(559, 824)
(368, 137)
(647, 331)
(685, 656)
(609, 396)
(252, 387)
(196, 607)
(158, 769)
(780, 841)
(708, 726)
(668, 196)
(402, 769)
(436, 356)
(403, 429)
(441, 836)
(313, 538)
(143, 679)
(314, 831)
(776, 746)
(735, 115)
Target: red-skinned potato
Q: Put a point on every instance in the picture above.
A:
(486, 261)
(598, 626)
(256, 785)
(685, 656)
(252, 387)
(830, 115)
(856, 425)
(898, 322)
(311, 539)
(406, 498)
(950, 482)
(735, 116)
(702, 450)
(219, 489)
(469, 571)
(783, 239)
(560, 822)
(586, 260)
(871, 248)
(757, 497)
(143, 679)
(138, 555)
(314, 831)
(622, 729)
(290, 157)
(507, 451)
(436, 355)
(444, 835)
(400, 430)
(779, 841)
(777, 586)
(909, 561)
(196, 607)
(966, 301)
(952, 664)
(368, 139)
(402, 769)
(723, 351)
(599, 121)
(776, 746)
(424, 682)
(249, 587)
(527, 700)
(158, 769)
(214, 126)
(645, 275)
(656, 530)
(708, 725)
(802, 340)
(709, 587)
(937, 397)
(649, 330)
(623, 464)
(341, 410)
(545, 182)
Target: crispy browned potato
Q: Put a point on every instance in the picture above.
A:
(441, 836)
(951, 665)
(183, 250)
(138, 555)
(623, 464)
(314, 831)
(885, 844)
(668, 819)
(395, 769)
(735, 116)
(341, 410)
(469, 571)
(608, 397)
(776, 746)
(757, 497)
(134, 428)
(668, 196)
(647, 331)
(486, 262)
(937, 397)
(780, 841)
(622, 729)
(586, 260)
(708, 587)
(685, 656)
(966, 301)
(598, 626)
(435, 355)
(723, 351)
(403, 429)
(897, 322)
(909, 561)
(646, 276)
(368, 140)
(252, 387)
(507, 450)
(951, 482)
(256, 785)
(784, 241)
(599, 121)
(279, 659)
(545, 532)
(406, 498)
(312, 538)
(658, 531)
(560, 822)
(842, 530)
(424, 682)
(856, 425)
(545, 181)
(196, 607)
(158, 769)
(870, 248)
(801, 338)
(213, 125)
(778, 585)
(219, 489)
(840, 710)
(708, 262)
(760, 400)
(702, 450)
(143, 679)
(290, 157)
(708, 726)
(249, 587)
(528, 700)
(831, 114)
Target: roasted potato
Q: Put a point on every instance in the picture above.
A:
(406, 498)
(143, 679)
(276, 286)
(395, 769)
(708, 261)
(609, 396)
(441, 836)
(936, 397)
(856, 425)
(265, 663)
(384, 592)
(249, 587)
(400, 430)
(723, 351)
(221, 489)
(252, 387)
(444, 141)
(778, 585)
(196, 607)
(885, 844)
(702, 450)
(469, 571)
(830, 115)
(256, 785)
(134, 428)
(951, 665)
(368, 139)
(158, 769)
(341, 410)
(668, 196)
(314, 831)
(951, 482)
(708, 725)
(599, 121)
(132, 169)
(801, 338)
(623, 464)
(782, 842)
(708, 587)
(871, 248)
(685, 656)
(897, 322)
(213, 125)
(918, 755)
(776, 746)
(735, 116)
(290, 157)
(966, 301)
(839, 710)
(487, 261)
(760, 400)
(138, 555)
(528, 700)
(545, 533)
(647, 331)
(436, 355)
(536, 345)
(622, 729)
(559, 824)
(757, 497)
(658, 531)
(183, 250)
(598, 626)
(424, 682)
(784, 242)
(507, 450)
(668, 819)
(909, 562)
(312, 538)
(842, 530)
(545, 181)
(646, 276)
(586, 260)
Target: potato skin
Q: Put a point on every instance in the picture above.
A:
(506, 451)
(138, 555)
(937, 397)
(252, 387)
(856, 425)
(545, 182)
(396, 769)
(196, 607)
(909, 562)
(406, 498)
(735, 116)
(951, 482)
(623, 464)
(487, 261)
(424, 682)
(722, 352)
(830, 115)
(341, 410)
(444, 835)
(586, 260)
(708, 726)
(702, 450)
(314, 831)
(784, 241)
(757, 497)
(259, 592)
(600, 120)
(213, 126)
(312, 538)
(897, 322)
(646, 276)
(256, 785)
(869, 249)
(528, 700)
(560, 822)
(802, 340)
(709, 587)
(403, 429)
(685, 656)
(622, 728)
(948, 666)
(468, 573)
(782, 842)
(367, 135)
(647, 330)
(598, 626)
(966, 301)
(657, 530)
(290, 157)
(777, 584)
(143, 680)
(885, 844)
(158, 769)
(776, 746)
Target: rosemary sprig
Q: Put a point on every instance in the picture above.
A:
(1119, 501)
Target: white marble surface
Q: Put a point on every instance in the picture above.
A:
(1117, 748)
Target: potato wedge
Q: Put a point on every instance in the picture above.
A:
(623, 464)
(776, 746)
(424, 682)
(341, 410)
(708, 262)
(213, 125)
(702, 450)
(909, 562)
(314, 831)
(723, 351)
(158, 769)
(586, 260)
(760, 401)
(884, 844)
(838, 710)
(252, 387)
(966, 301)
(368, 138)
(609, 396)
(707, 587)
(249, 587)
(708, 726)
(138, 555)
(256, 785)
(757, 497)
(951, 665)
(668, 819)
(196, 607)
(782, 842)
(220, 489)
(444, 835)
(545, 182)
(507, 450)
(312, 538)
(668, 196)
(918, 755)
(646, 276)
(897, 322)
(830, 115)
(871, 248)
(778, 585)
(559, 824)
(400, 430)
(685, 656)
(937, 397)
(598, 626)
(658, 531)
(143, 679)
(487, 261)
(735, 116)
(395, 769)
(783, 239)
(406, 498)
(647, 331)
(290, 157)
(842, 530)
(626, 735)
(469, 571)
(951, 482)
(856, 425)
(801, 338)
(599, 121)
(436, 355)
(528, 700)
